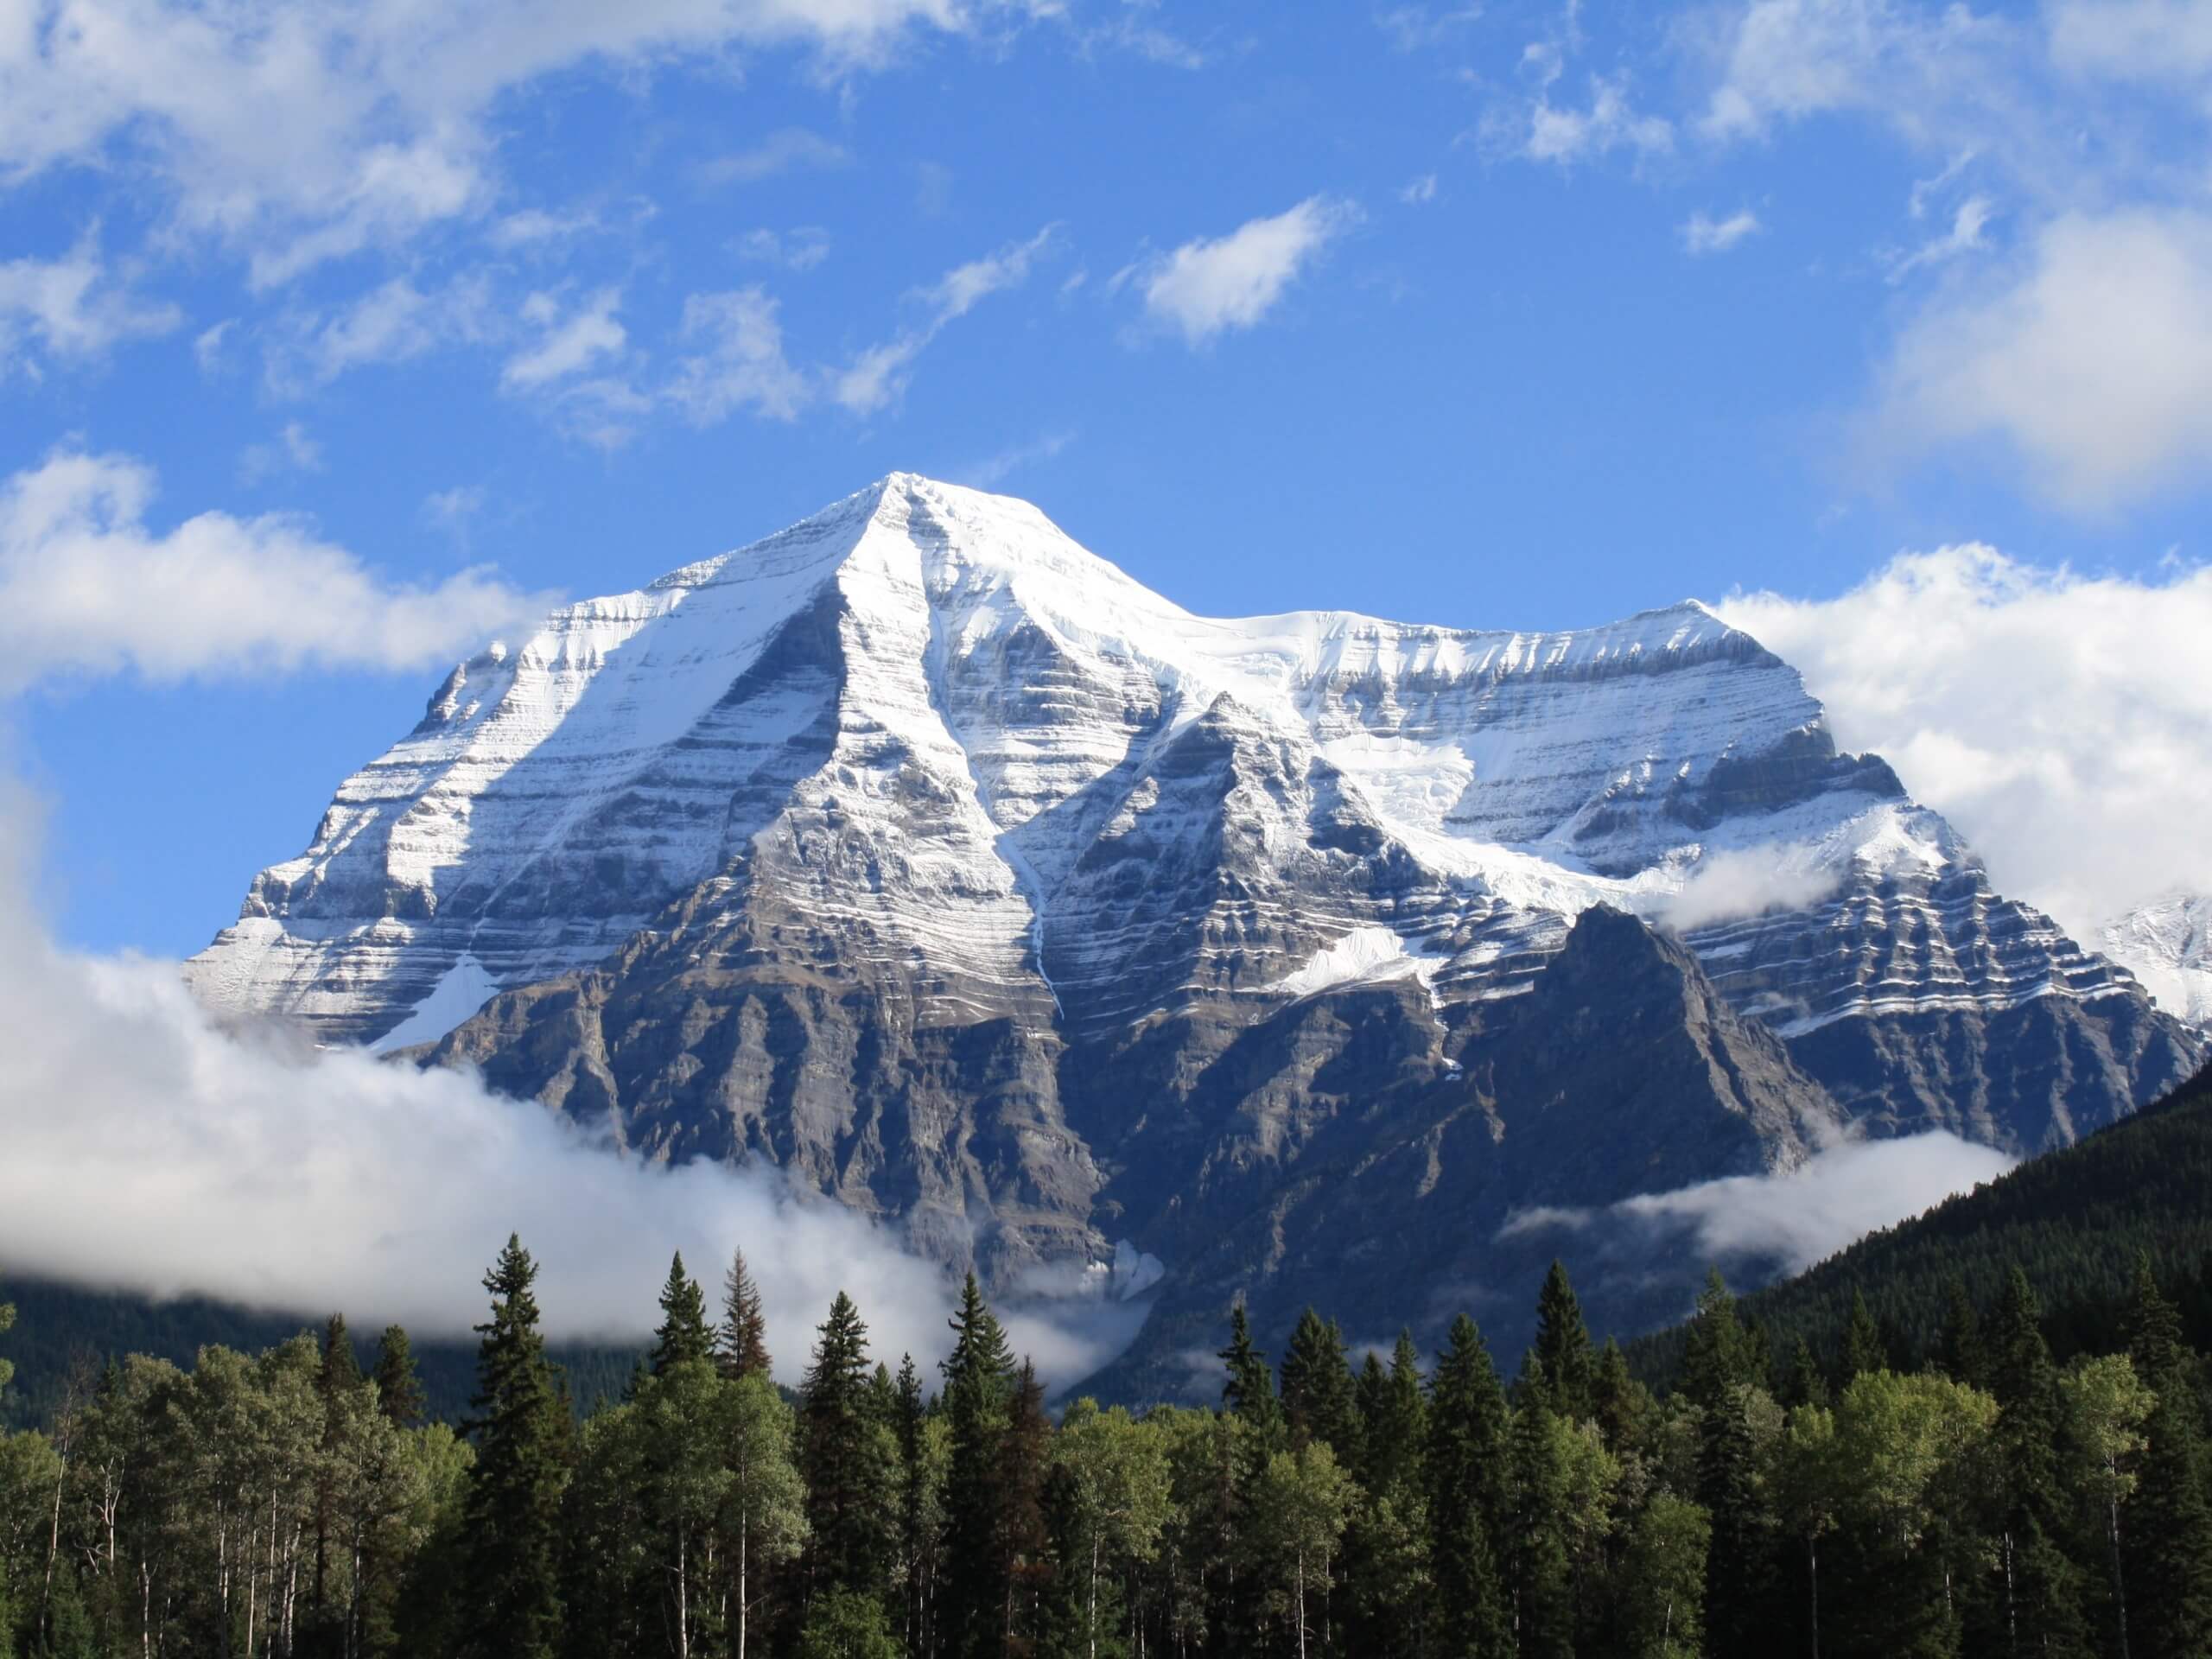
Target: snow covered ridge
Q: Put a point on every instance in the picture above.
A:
(979, 764)
(2168, 945)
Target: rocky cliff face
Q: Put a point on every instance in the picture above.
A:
(925, 855)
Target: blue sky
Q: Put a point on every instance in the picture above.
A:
(1503, 315)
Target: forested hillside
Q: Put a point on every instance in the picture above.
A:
(1995, 1504)
(2073, 1221)
(61, 1329)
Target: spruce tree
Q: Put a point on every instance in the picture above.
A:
(1021, 1539)
(681, 1335)
(2037, 1588)
(836, 1432)
(1397, 1423)
(978, 1401)
(1863, 1350)
(1802, 1384)
(1623, 1407)
(1564, 1361)
(1317, 1401)
(2169, 1527)
(511, 1537)
(1469, 1496)
(1721, 1373)
(1959, 1350)
(399, 1391)
(1249, 1391)
(741, 1340)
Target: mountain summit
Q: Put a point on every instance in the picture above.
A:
(926, 855)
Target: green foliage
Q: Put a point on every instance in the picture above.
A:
(741, 1338)
(843, 1625)
(682, 1337)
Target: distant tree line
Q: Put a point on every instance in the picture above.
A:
(1989, 1502)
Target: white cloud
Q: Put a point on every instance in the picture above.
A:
(1567, 135)
(71, 308)
(799, 249)
(187, 1150)
(1730, 884)
(1416, 28)
(207, 346)
(87, 586)
(391, 323)
(737, 359)
(2132, 40)
(1702, 233)
(294, 447)
(791, 149)
(877, 376)
(993, 470)
(305, 133)
(2061, 721)
(1799, 1216)
(565, 346)
(455, 511)
(1968, 220)
(2089, 359)
(1207, 286)
(534, 227)
(1805, 1215)
(1422, 189)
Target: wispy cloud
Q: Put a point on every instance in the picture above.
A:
(788, 150)
(736, 360)
(1703, 234)
(802, 248)
(71, 308)
(993, 470)
(566, 344)
(879, 376)
(1210, 286)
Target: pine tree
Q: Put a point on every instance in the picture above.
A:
(2038, 1590)
(1958, 1350)
(1249, 1390)
(1863, 1350)
(2169, 1559)
(1317, 1401)
(399, 1391)
(1803, 1385)
(836, 1433)
(977, 1400)
(741, 1340)
(681, 1335)
(913, 1502)
(512, 1509)
(1397, 1422)
(1564, 1360)
(1722, 1369)
(1622, 1406)
(1468, 1496)
(1021, 1541)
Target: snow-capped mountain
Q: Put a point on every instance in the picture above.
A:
(920, 852)
(2167, 945)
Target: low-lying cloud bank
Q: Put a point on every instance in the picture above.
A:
(1796, 1217)
(149, 1149)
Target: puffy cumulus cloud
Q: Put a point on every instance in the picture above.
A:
(2088, 360)
(1796, 1217)
(87, 587)
(393, 322)
(71, 308)
(242, 1164)
(306, 132)
(877, 376)
(1747, 881)
(2061, 721)
(1702, 233)
(1209, 286)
